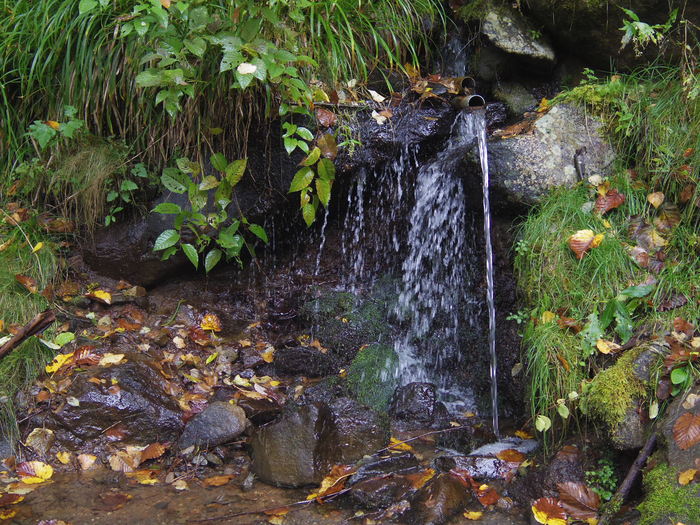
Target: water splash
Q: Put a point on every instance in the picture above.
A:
(478, 128)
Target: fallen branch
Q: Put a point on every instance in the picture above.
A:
(37, 325)
(623, 490)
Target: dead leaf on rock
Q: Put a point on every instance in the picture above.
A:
(326, 118)
(419, 479)
(473, 515)
(686, 431)
(487, 495)
(101, 296)
(511, 455)
(40, 440)
(579, 501)
(86, 461)
(152, 451)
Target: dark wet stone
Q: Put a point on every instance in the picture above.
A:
(377, 467)
(300, 446)
(478, 467)
(139, 403)
(630, 433)
(439, 500)
(159, 336)
(260, 411)
(219, 423)
(473, 433)
(414, 404)
(305, 361)
(250, 358)
(379, 493)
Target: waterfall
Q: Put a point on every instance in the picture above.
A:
(411, 220)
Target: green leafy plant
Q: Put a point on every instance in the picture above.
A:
(49, 132)
(642, 34)
(603, 480)
(122, 192)
(213, 232)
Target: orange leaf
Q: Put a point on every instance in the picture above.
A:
(152, 451)
(34, 472)
(549, 511)
(52, 124)
(420, 478)
(26, 281)
(687, 476)
(216, 481)
(580, 242)
(211, 322)
(511, 455)
(686, 431)
(487, 495)
(523, 435)
(611, 200)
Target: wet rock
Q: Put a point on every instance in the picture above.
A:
(415, 404)
(516, 97)
(131, 395)
(374, 467)
(439, 500)
(300, 446)
(511, 33)
(525, 167)
(685, 406)
(369, 379)
(380, 493)
(219, 423)
(629, 434)
(473, 433)
(305, 361)
(260, 411)
(483, 463)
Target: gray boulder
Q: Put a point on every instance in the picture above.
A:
(687, 407)
(515, 96)
(300, 447)
(524, 167)
(511, 33)
(219, 423)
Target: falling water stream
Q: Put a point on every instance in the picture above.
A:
(414, 217)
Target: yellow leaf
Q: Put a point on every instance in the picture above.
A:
(101, 295)
(606, 347)
(86, 461)
(211, 322)
(4, 246)
(241, 381)
(593, 521)
(53, 124)
(276, 520)
(165, 3)
(543, 518)
(64, 457)
(7, 514)
(523, 435)
(180, 484)
(656, 199)
(109, 359)
(687, 476)
(144, 476)
(597, 240)
(269, 354)
(473, 515)
(548, 317)
(38, 246)
(32, 472)
(395, 444)
(606, 223)
(58, 362)
(244, 343)
(580, 242)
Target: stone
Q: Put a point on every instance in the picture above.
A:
(132, 395)
(512, 33)
(375, 467)
(305, 361)
(683, 406)
(439, 500)
(380, 493)
(415, 404)
(300, 447)
(515, 96)
(219, 423)
(629, 434)
(525, 167)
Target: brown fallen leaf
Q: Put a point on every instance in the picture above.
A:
(511, 455)
(487, 495)
(32, 472)
(611, 200)
(656, 198)
(549, 511)
(686, 431)
(152, 451)
(211, 322)
(216, 481)
(326, 118)
(113, 500)
(582, 241)
(579, 501)
(29, 283)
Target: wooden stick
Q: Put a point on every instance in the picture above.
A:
(623, 490)
(37, 325)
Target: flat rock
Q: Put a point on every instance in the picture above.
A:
(219, 423)
(512, 33)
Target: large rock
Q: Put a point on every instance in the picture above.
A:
(439, 500)
(299, 447)
(526, 166)
(684, 412)
(511, 33)
(219, 423)
(131, 396)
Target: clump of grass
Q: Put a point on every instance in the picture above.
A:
(18, 306)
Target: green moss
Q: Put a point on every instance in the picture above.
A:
(614, 390)
(666, 501)
(370, 377)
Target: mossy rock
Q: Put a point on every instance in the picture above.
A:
(614, 391)
(666, 501)
(370, 377)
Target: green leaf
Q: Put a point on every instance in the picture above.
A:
(198, 198)
(149, 78)
(219, 162)
(232, 228)
(563, 411)
(638, 291)
(64, 338)
(608, 314)
(86, 5)
(230, 242)
(170, 182)
(301, 180)
(196, 45)
(260, 69)
(191, 253)
(312, 158)
(235, 171)
(323, 190)
(168, 253)
(592, 332)
(42, 133)
(679, 375)
(308, 211)
(166, 239)
(128, 185)
(305, 134)
(209, 182)
(326, 169)
(543, 423)
(167, 208)
(624, 324)
(212, 259)
(259, 232)
(185, 165)
(244, 80)
(290, 144)
(112, 195)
